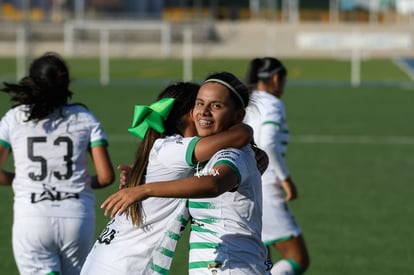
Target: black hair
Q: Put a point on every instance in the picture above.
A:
(262, 69)
(240, 95)
(271, 66)
(185, 94)
(251, 74)
(44, 89)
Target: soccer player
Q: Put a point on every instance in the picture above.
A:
(267, 116)
(54, 215)
(225, 194)
(143, 240)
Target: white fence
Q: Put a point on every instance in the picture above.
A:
(355, 42)
(105, 28)
(234, 40)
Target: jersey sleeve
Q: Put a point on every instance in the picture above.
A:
(270, 144)
(273, 114)
(270, 139)
(233, 158)
(97, 135)
(5, 124)
(178, 150)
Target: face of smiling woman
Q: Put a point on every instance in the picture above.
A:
(214, 110)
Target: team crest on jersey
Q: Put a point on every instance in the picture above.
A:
(107, 235)
(50, 193)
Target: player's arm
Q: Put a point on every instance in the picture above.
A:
(6, 178)
(236, 136)
(289, 187)
(277, 161)
(105, 174)
(223, 180)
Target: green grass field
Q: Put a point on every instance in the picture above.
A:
(351, 153)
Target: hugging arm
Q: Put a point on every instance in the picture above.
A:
(191, 187)
(237, 136)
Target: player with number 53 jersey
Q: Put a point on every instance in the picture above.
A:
(54, 216)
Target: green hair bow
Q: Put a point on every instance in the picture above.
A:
(152, 116)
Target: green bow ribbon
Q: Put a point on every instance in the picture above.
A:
(152, 116)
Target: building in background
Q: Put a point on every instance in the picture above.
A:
(280, 10)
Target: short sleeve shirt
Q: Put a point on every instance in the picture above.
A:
(50, 157)
(226, 230)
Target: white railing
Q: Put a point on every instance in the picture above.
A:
(104, 28)
(356, 42)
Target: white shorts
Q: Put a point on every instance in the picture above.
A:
(45, 244)
(278, 222)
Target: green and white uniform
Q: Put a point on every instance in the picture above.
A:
(54, 215)
(267, 117)
(123, 248)
(226, 230)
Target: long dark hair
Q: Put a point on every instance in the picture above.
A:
(184, 94)
(251, 73)
(44, 89)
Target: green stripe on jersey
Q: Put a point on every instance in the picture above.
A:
(232, 166)
(200, 229)
(6, 145)
(159, 269)
(203, 264)
(173, 235)
(271, 122)
(165, 251)
(200, 204)
(101, 142)
(208, 220)
(182, 220)
(190, 151)
(203, 245)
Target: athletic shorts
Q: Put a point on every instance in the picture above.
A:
(45, 244)
(278, 222)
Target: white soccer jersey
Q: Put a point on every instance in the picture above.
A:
(50, 157)
(266, 115)
(123, 248)
(226, 230)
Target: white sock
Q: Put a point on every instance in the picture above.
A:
(282, 267)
